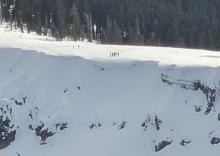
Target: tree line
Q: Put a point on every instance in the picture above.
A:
(178, 23)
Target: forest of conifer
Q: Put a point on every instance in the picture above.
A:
(177, 23)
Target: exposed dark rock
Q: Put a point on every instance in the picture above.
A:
(198, 109)
(6, 135)
(99, 124)
(195, 86)
(122, 125)
(33, 112)
(22, 102)
(38, 129)
(30, 115)
(66, 90)
(162, 145)
(144, 125)
(43, 133)
(6, 138)
(185, 142)
(215, 140)
(61, 126)
(24, 99)
(31, 127)
(7, 132)
(153, 122)
(18, 154)
(93, 125)
(218, 117)
(157, 123)
(18, 103)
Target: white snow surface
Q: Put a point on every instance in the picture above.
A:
(165, 56)
(84, 86)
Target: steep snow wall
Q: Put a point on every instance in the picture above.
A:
(65, 105)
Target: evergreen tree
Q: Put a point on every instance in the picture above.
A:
(113, 33)
(11, 11)
(1, 18)
(116, 33)
(108, 35)
(188, 23)
(138, 37)
(74, 25)
(88, 26)
(59, 18)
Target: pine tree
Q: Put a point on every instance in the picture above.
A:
(138, 37)
(59, 18)
(156, 22)
(88, 26)
(1, 17)
(19, 20)
(12, 12)
(108, 35)
(113, 32)
(178, 28)
(74, 25)
(38, 24)
(119, 35)
(116, 33)
(131, 34)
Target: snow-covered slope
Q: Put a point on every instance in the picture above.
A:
(165, 56)
(54, 103)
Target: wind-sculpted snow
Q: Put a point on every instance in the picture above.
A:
(56, 105)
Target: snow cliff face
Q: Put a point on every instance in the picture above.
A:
(112, 100)
(55, 105)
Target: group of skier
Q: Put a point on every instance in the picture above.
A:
(74, 46)
(114, 54)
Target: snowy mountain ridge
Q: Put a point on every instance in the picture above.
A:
(81, 101)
